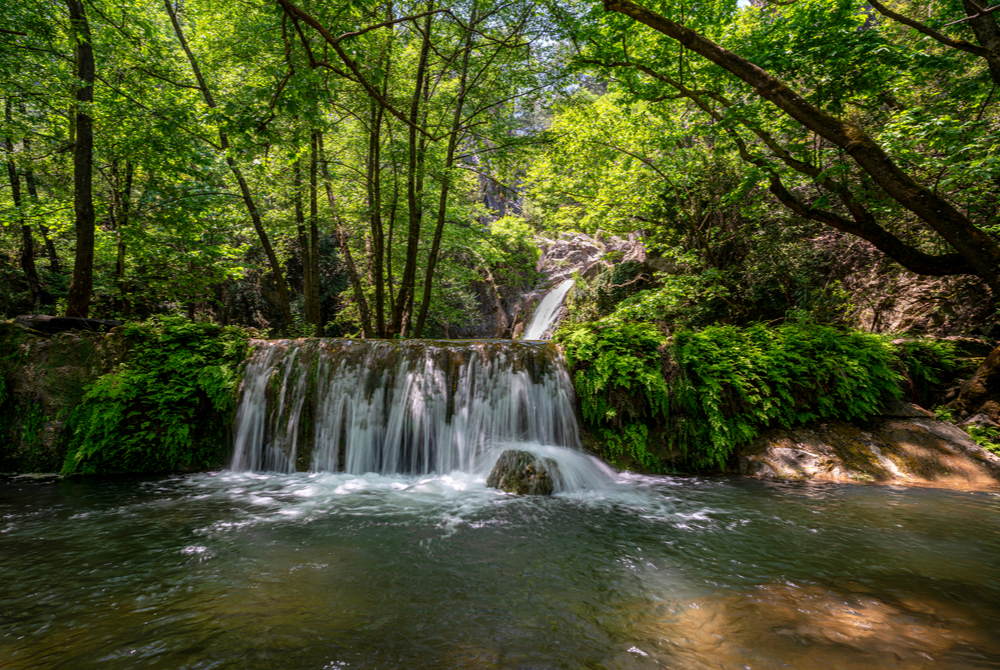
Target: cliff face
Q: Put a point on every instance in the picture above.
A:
(574, 254)
(41, 380)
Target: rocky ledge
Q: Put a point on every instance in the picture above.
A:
(907, 446)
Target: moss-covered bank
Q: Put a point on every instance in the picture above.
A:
(147, 397)
(691, 400)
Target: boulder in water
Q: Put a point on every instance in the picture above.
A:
(522, 472)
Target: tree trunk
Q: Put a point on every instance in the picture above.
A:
(407, 283)
(122, 206)
(281, 288)
(375, 215)
(442, 210)
(987, 30)
(27, 256)
(345, 249)
(29, 180)
(300, 224)
(312, 307)
(82, 283)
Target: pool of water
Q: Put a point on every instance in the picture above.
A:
(242, 570)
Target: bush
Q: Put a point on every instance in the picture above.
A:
(166, 407)
(694, 399)
(929, 366)
(619, 380)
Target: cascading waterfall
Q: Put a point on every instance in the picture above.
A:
(545, 314)
(412, 406)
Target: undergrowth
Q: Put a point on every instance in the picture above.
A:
(692, 399)
(166, 407)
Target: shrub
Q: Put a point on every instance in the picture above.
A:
(166, 407)
(929, 365)
(619, 380)
(697, 397)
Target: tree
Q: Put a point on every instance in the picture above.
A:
(81, 285)
(973, 250)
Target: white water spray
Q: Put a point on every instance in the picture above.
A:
(406, 407)
(545, 314)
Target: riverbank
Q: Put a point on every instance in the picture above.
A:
(161, 398)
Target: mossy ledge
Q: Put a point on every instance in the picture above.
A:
(147, 397)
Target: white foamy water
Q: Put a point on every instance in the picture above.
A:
(545, 314)
(408, 407)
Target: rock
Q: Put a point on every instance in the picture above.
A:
(980, 394)
(910, 451)
(575, 254)
(522, 472)
(42, 382)
(50, 325)
(900, 409)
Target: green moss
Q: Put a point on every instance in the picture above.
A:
(165, 407)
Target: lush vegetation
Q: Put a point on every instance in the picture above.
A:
(387, 169)
(693, 398)
(167, 406)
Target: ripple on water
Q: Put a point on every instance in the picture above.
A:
(334, 570)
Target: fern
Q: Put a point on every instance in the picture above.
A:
(702, 394)
(165, 407)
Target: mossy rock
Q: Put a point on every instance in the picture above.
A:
(524, 473)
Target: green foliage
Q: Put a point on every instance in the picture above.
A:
(695, 400)
(167, 405)
(617, 372)
(987, 437)
(11, 355)
(735, 382)
(928, 365)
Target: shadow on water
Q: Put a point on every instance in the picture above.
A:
(315, 570)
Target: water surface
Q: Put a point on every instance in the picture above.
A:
(235, 570)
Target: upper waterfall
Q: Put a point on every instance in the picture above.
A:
(545, 314)
(409, 406)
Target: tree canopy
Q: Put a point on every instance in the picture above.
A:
(382, 169)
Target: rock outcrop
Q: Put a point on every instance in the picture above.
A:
(906, 446)
(522, 472)
(978, 399)
(41, 380)
(575, 254)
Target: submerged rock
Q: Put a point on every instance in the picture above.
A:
(522, 472)
(909, 450)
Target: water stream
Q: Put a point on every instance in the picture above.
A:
(544, 317)
(336, 570)
(355, 530)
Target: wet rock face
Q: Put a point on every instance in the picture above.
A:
(42, 379)
(578, 253)
(905, 448)
(978, 400)
(523, 473)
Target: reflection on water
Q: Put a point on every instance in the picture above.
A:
(345, 571)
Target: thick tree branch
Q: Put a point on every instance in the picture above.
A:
(980, 250)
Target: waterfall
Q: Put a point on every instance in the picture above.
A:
(545, 314)
(410, 406)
